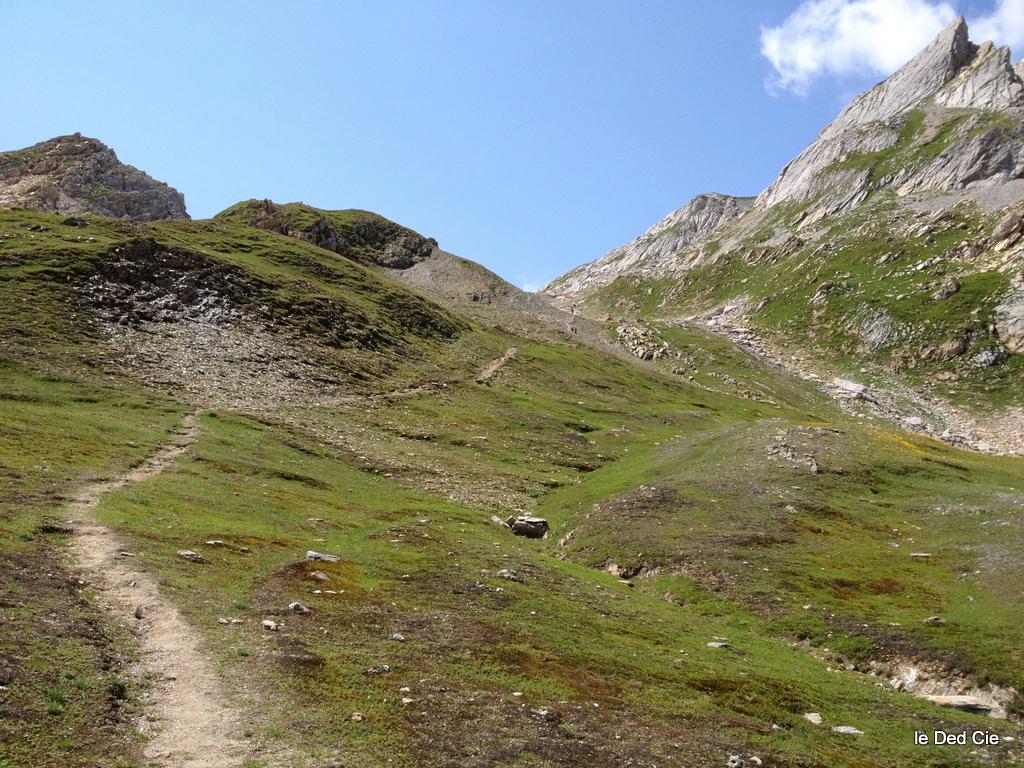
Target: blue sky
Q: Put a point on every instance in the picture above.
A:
(528, 136)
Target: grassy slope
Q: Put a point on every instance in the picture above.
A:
(849, 253)
(62, 663)
(566, 637)
(622, 672)
(364, 323)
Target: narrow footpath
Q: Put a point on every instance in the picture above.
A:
(188, 717)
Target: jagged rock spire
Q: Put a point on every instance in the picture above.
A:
(920, 77)
(952, 73)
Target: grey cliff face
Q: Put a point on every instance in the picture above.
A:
(950, 120)
(75, 175)
(948, 77)
(1010, 320)
(690, 225)
(988, 82)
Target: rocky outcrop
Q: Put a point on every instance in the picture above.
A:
(1010, 320)
(642, 342)
(394, 246)
(358, 235)
(988, 82)
(950, 120)
(690, 225)
(943, 148)
(76, 175)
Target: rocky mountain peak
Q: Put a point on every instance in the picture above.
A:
(76, 174)
(920, 77)
(951, 73)
(686, 226)
(948, 124)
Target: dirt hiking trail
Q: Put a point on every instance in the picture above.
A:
(188, 716)
(495, 365)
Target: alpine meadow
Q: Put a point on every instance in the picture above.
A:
(298, 488)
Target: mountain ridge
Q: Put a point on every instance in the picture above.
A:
(950, 73)
(75, 174)
(691, 224)
(952, 118)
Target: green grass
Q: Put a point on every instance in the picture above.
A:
(566, 632)
(519, 652)
(62, 706)
(865, 287)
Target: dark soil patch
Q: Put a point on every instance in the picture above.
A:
(67, 702)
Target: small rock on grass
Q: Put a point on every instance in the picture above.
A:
(140, 612)
(319, 576)
(192, 557)
(357, 717)
(935, 620)
(719, 644)
(967, 703)
(322, 557)
(848, 729)
(813, 717)
(297, 607)
(399, 637)
(530, 527)
(270, 626)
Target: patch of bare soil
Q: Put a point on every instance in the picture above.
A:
(999, 433)
(479, 729)
(191, 720)
(495, 365)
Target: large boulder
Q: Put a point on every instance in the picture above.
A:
(1010, 320)
(530, 527)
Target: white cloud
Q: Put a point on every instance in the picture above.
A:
(1005, 25)
(532, 285)
(824, 38)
